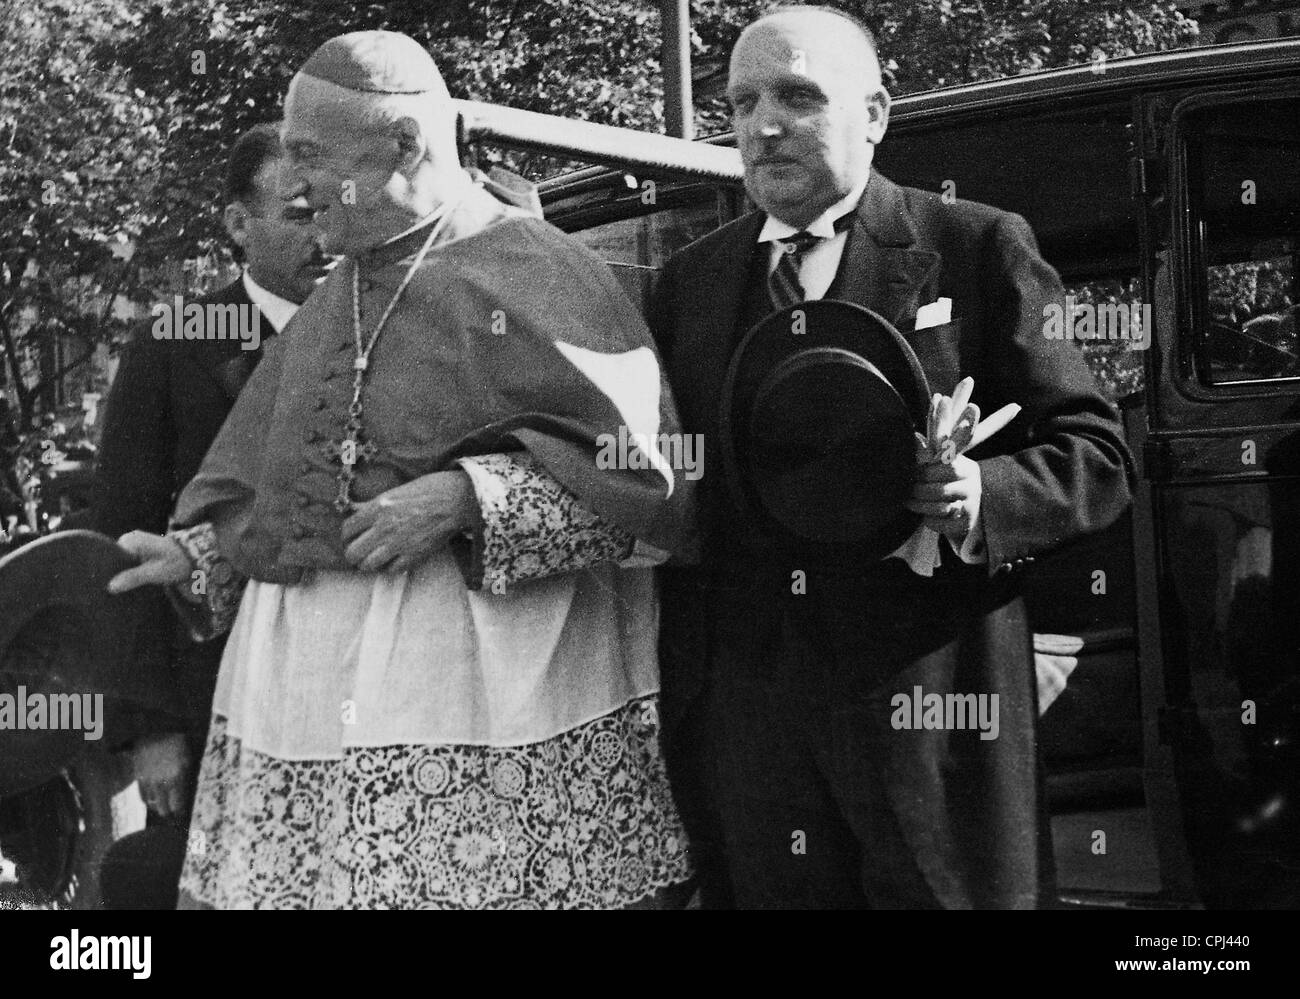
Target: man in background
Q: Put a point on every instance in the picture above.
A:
(168, 401)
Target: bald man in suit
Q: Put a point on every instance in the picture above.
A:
(780, 703)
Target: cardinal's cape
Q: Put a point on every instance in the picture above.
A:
(510, 336)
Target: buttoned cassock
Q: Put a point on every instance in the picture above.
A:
(776, 699)
(489, 377)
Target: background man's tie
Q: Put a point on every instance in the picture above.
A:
(783, 285)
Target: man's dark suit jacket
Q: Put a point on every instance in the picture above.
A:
(968, 808)
(168, 400)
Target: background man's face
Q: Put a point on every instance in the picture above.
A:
(802, 107)
(280, 243)
(341, 170)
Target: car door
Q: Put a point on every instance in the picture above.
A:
(1217, 518)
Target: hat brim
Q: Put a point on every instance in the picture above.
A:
(62, 635)
(819, 413)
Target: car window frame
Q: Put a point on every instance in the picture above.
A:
(1188, 259)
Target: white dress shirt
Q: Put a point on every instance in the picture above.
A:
(822, 260)
(278, 311)
(817, 272)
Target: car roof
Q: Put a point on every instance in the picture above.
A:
(1201, 64)
(1083, 83)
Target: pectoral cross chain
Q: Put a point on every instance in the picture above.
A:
(350, 450)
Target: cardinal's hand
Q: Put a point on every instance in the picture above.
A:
(947, 494)
(401, 528)
(162, 562)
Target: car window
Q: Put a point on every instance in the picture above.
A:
(637, 247)
(1115, 361)
(1245, 201)
(1065, 171)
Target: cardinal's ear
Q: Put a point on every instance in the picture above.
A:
(412, 147)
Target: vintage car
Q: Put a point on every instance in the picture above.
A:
(1168, 185)
(1166, 188)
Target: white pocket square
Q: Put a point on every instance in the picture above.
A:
(936, 313)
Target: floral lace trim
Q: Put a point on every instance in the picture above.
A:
(532, 526)
(209, 600)
(583, 820)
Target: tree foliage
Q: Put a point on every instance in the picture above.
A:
(940, 43)
(79, 145)
(1114, 363)
(125, 111)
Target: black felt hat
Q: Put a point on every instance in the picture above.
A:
(820, 409)
(62, 633)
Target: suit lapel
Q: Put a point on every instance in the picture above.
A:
(725, 273)
(882, 269)
(225, 361)
(720, 281)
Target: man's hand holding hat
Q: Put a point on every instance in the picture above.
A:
(947, 494)
(948, 488)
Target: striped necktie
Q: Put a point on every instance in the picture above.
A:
(783, 285)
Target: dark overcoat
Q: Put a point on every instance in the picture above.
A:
(168, 400)
(969, 809)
